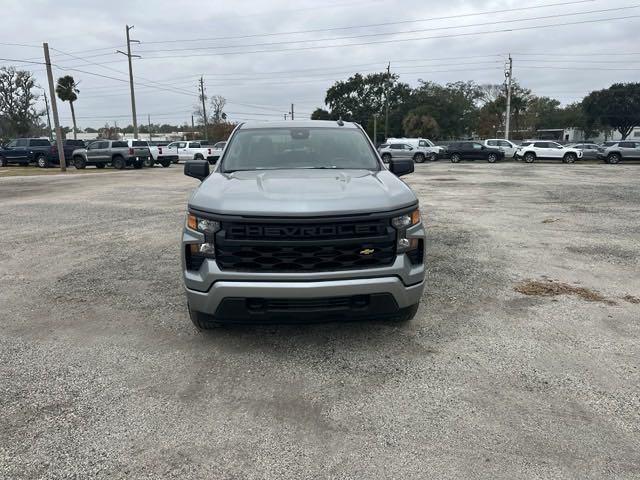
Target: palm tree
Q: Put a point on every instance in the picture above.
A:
(67, 91)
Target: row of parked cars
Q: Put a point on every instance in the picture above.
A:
(100, 153)
(493, 150)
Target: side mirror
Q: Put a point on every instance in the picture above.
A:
(401, 167)
(197, 169)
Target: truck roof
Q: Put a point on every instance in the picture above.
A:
(297, 124)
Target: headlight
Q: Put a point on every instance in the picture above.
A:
(401, 223)
(203, 225)
(406, 220)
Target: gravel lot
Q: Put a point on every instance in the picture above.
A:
(103, 376)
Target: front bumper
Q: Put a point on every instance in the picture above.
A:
(208, 287)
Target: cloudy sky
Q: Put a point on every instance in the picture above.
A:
(264, 55)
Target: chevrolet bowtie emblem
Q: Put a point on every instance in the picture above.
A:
(367, 251)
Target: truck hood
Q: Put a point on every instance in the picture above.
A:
(277, 193)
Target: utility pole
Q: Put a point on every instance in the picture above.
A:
(375, 129)
(386, 101)
(508, 73)
(204, 108)
(54, 108)
(292, 114)
(149, 122)
(133, 95)
(46, 102)
(193, 125)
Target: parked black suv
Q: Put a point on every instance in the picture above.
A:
(473, 151)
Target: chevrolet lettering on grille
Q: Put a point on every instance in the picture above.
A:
(303, 231)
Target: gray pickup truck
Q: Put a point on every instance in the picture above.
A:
(110, 152)
(301, 221)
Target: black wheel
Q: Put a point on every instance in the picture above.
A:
(42, 161)
(119, 163)
(3, 162)
(433, 156)
(79, 162)
(530, 157)
(570, 158)
(492, 158)
(419, 158)
(198, 157)
(455, 158)
(165, 163)
(613, 158)
(405, 314)
(148, 162)
(202, 321)
(100, 165)
(138, 164)
(386, 157)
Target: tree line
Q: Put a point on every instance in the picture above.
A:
(459, 110)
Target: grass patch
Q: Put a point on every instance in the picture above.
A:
(551, 288)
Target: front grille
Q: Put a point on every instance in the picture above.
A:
(305, 247)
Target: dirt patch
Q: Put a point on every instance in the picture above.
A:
(551, 220)
(551, 288)
(631, 299)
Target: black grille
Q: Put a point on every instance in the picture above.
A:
(305, 247)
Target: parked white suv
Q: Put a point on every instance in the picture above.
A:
(509, 148)
(424, 149)
(530, 151)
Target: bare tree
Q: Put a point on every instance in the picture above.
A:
(17, 102)
(218, 103)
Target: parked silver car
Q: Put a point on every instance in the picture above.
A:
(400, 151)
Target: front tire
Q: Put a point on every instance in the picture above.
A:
(202, 321)
(529, 157)
(492, 158)
(455, 158)
(570, 158)
(433, 157)
(405, 315)
(419, 158)
(42, 161)
(3, 162)
(614, 158)
(386, 157)
(165, 163)
(148, 162)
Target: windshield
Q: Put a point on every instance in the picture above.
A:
(302, 147)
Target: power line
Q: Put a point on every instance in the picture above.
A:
(379, 42)
(379, 34)
(330, 29)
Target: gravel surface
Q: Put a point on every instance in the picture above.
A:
(103, 376)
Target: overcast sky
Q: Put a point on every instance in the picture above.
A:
(269, 68)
